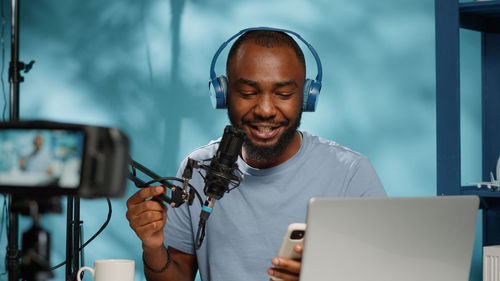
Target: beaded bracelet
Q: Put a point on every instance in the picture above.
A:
(159, 270)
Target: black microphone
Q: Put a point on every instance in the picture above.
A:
(221, 170)
(220, 174)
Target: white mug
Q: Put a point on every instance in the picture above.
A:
(110, 270)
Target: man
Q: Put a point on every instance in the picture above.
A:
(282, 168)
(39, 160)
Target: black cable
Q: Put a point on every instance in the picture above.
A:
(102, 227)
(82, 256)
(2, 40)
(162, 179)
(93, 237)
(196, 193)
(200, 234)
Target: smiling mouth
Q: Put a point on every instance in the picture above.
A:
(264, 129)
(262, 132)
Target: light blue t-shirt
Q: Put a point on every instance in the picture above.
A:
(245, 229)
(38, 161)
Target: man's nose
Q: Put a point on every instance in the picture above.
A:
(265, 107)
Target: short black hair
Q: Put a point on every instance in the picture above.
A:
(268, 39)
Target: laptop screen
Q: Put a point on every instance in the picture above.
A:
(389, 239)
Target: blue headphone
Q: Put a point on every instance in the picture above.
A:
(218, 84)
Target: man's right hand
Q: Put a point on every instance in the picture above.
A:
(147, 217)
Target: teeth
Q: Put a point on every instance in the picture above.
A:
(264, 129)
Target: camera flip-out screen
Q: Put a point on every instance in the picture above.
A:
(42, 158)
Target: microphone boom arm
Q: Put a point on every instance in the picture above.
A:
(175, 195)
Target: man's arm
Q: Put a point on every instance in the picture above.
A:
(182, 266)
(147, 218)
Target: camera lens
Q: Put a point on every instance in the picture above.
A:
(297, 234)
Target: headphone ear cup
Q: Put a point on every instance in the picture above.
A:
(310, 95)
(218, 92)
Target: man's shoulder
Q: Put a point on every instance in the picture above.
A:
(360, 178)
(326, 147)
(206, 151)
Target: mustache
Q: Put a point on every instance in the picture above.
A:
(271, 122)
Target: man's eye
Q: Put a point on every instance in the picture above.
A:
(247, 93)
(284, 94)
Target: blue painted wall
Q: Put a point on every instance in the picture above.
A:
(143, 66)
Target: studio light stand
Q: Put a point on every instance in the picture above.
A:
(73, 230)
(12, 259)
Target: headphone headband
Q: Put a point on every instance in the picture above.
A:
(319, 77)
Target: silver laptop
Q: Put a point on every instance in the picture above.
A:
(389, 239)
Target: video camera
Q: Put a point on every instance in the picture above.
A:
(42, 158)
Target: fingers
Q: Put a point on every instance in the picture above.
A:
(299, 248)
(147, 217)
(282, 275)
(141, 212)
(145, 211)
(286, 269)
(149, 229)
(144, 193)
(137, 203)
(287, 264)
(145, 206)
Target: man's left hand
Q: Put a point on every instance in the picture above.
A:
(286, 269)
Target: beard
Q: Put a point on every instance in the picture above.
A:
(267, 153)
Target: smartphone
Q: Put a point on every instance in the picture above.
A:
(294, 235)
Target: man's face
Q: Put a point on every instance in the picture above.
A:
(265, 98)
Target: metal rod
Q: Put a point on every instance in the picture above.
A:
(13, 231)
(69, 238)
(14, 76)
(13, 246)
(76, 237)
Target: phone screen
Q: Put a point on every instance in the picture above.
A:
(41, 157)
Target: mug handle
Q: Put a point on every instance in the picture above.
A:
(82, 269)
